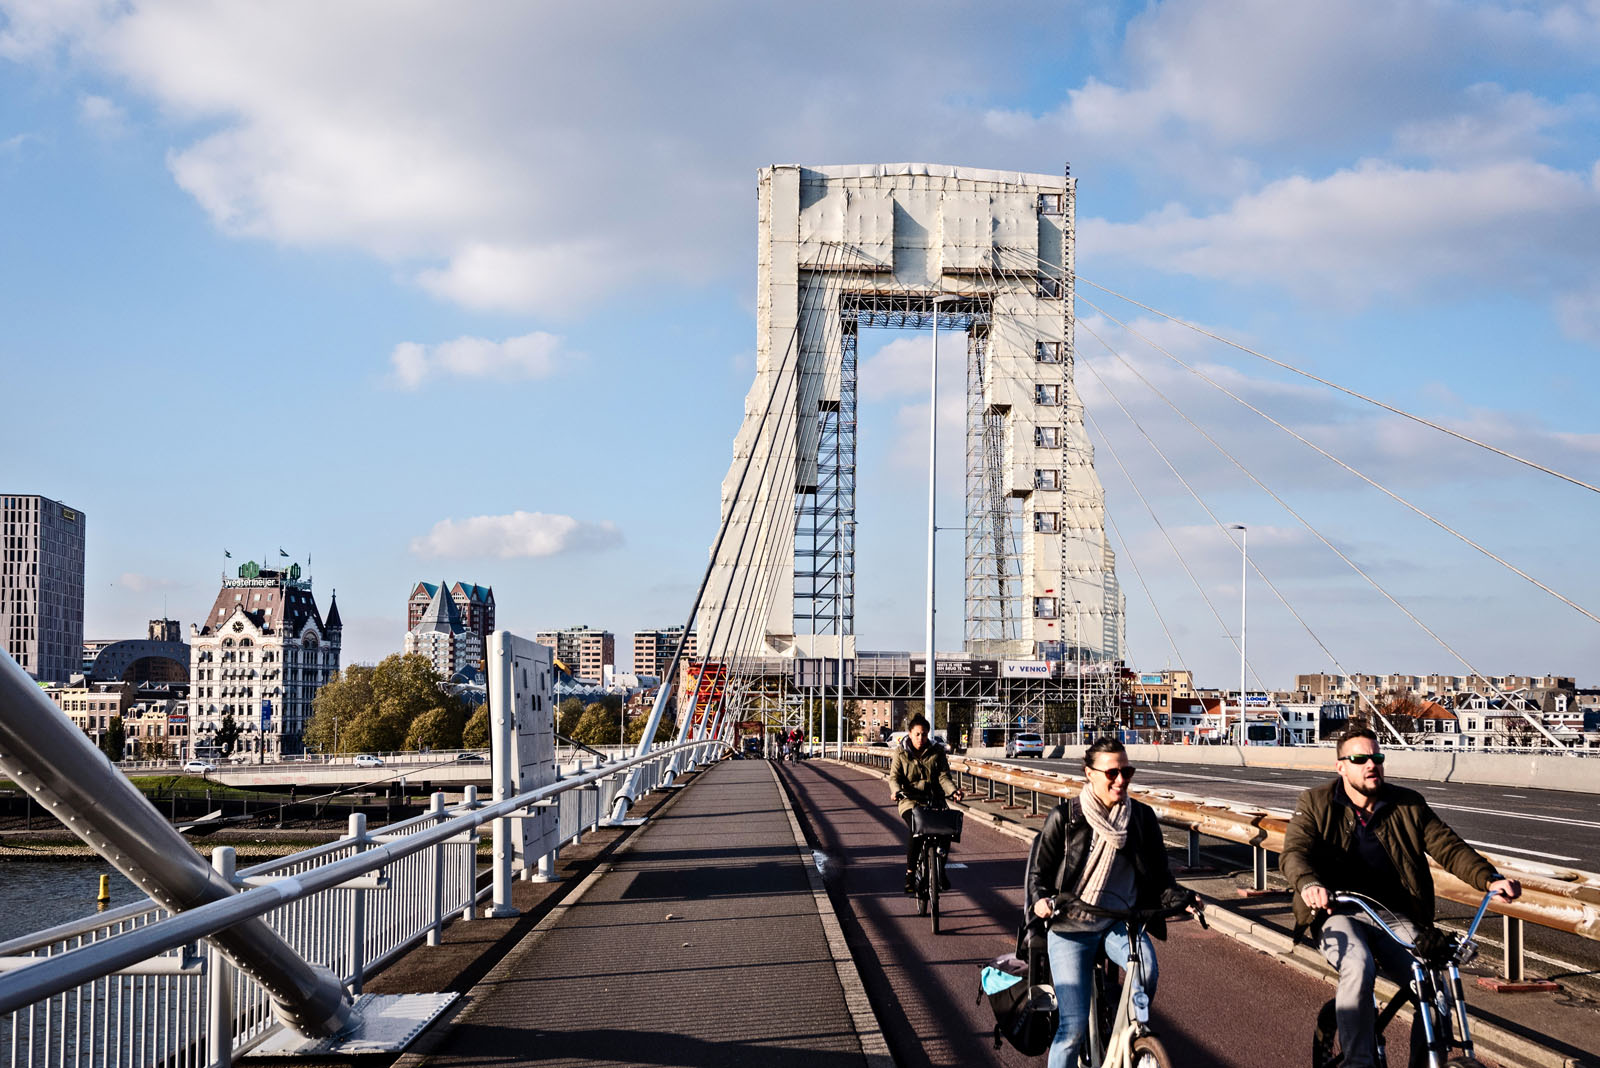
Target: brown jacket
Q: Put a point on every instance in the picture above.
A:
(1319, 838)
(920, 776)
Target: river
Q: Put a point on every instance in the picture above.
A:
(35, 894)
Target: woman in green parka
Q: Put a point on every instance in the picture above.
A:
(921, 776)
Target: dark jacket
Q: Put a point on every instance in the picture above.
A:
(920, 776)
(1319, 841)
(1062, 848)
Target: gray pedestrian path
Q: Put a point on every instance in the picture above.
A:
(699, 944)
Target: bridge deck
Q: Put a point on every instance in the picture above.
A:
(700, 943)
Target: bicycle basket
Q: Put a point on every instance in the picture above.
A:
(937, 822)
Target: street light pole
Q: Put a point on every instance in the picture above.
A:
(1077, 655)
(1244, 574)
(933, 467)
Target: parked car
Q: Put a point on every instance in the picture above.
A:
(198, 767)
(367, 760)
(1025, 745)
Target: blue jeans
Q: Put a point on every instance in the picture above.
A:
(1072, 959)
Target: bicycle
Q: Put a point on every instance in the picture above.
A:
(933, 830)
(1435, 990)
(1120, 1035)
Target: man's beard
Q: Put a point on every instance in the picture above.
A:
(1364, 789)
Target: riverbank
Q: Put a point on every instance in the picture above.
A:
(252, 844)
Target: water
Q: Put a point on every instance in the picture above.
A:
(35, 894)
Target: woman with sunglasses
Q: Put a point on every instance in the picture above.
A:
(1359, 834)
(1104, 850)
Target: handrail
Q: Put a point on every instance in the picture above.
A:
(1560, 899)
(54, 975)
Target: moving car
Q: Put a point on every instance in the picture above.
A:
(1025, 745)
(471, 758)
(367, 760)
(198, 767)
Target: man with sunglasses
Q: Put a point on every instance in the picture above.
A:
(1101, 849)
(1359, 834)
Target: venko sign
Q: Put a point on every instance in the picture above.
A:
(1025, 669)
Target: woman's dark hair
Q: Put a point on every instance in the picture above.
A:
(919, 720)
(1102, 745)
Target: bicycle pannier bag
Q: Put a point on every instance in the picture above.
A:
(1025, 1014)
(937, 822)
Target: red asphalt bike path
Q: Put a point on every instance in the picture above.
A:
(1219, 1003)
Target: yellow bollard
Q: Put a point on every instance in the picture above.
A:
(103, 901)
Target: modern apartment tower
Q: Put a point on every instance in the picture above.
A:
(41, 585)
(988, 256)
(653, 650)
(586, 652)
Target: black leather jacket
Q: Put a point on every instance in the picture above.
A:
(1056, 862)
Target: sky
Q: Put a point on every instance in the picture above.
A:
(466, 292)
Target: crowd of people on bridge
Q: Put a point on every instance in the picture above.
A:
(1102, 852)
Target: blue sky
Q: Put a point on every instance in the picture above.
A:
(427, 291)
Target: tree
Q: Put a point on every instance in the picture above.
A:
(437, 728)
(113, 741)
(598, 726)
(475, 735)
(372, 709)
(666, 734)
(568, 714)
(228, 732)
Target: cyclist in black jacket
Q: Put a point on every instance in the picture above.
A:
(1101, 849)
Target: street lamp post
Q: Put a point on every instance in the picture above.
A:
(1244, 573)
(933, 468)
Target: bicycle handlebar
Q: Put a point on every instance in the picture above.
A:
(1366, 905)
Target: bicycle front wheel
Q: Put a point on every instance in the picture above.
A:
(931, 867)
(1148, 1052)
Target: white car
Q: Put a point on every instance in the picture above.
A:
(367, 760)
(1025, 745)
(198, 767)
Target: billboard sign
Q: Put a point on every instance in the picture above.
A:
(266, 715)
(957, 669)
(1257, 699)
(1151, 680)
(1026, 669)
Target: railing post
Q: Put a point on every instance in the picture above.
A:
(358, 912)
(219, 982)
(436, 930)
(469, 799)
(1511, 928)
(1259, 875)
(1194, 848)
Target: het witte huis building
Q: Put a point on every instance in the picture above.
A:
(261, 655)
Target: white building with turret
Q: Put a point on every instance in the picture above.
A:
(260, 656)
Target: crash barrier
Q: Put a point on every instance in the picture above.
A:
(134, 985)
(1561, 899)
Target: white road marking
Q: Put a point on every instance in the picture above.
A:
(1515, 849)
(1514, 795)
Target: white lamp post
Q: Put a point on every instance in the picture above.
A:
(933, 468)
(1244, 572)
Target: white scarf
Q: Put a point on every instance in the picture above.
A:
(1110, 827)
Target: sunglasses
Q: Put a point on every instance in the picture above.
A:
(1359, 759)
(1125, 773)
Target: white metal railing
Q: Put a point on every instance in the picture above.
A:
(134, 986)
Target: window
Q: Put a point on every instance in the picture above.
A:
(1046, 522)
(1047, 394)
(1044, 607)
(1050, 203)
(1050, 288)
(1047, 437)
(1046, 478)
(1047, 351)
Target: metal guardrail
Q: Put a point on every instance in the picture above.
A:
(1562, 899)
(134, 986)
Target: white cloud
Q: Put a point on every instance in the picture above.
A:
(900, 368)
(531, 356)
(520, 534)
(137, 583)
(1496, 124)
(1378, 230)
(102, 113)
